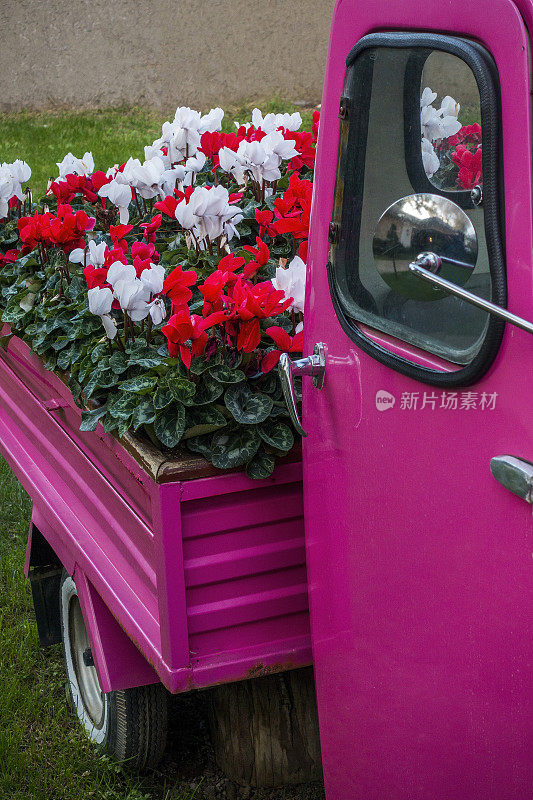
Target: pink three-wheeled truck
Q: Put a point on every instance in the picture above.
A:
(417, 464)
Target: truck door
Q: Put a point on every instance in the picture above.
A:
(419, 558)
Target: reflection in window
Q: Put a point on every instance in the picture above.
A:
(451, 131)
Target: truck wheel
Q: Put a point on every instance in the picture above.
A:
(130, 725)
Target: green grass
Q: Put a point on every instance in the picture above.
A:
(112, 135)
(44, 754)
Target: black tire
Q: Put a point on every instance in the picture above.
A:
(130, 725)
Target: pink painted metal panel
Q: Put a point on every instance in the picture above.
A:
(171, 583)
(206, 577)
(117, 465)
(419, 563)
(245, 572)
(118, 662)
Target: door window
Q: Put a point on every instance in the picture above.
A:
(419, 116)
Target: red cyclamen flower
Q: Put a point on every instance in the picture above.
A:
(150, 228)
(285, 343)
(176, 285)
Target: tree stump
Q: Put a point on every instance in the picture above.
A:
(265, 730)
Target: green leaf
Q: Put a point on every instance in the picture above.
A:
(261, 466)
(279, 409)
(170, 425)
(182, 390)
(106, 378)
(277, 435)
(90, 419)
(247, 407)
(201, 364)
(90, 386)
(224, 374)
(118, 362)
(124, 406)
(60, 343)
(123, 426)
(207, 391)
(98, 352)
(143, 356)
(64, 358)
(270, 384)
(144, 414)
(232, 449)
(110, 423)
(200, 444)
(201, 421)
(140, 385)
(90, 325)
(163, 398)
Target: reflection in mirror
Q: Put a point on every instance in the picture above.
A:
(420, 223)
(450, 117)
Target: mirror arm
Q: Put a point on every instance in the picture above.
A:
(425, 265)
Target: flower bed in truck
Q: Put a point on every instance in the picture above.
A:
(163, 293)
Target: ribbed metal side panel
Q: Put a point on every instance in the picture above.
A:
(245, 576)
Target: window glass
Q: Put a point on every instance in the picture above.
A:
(450, 120)
(414, 126)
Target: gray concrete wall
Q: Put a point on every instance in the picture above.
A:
(161, 53)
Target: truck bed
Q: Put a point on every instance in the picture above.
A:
(204, 571)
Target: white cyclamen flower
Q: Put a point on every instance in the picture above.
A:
(182, 136)
(261, 160)
(7, 190)
(207, 213)
(232, 163)
(120, 195)
(100, 302)
(193, 166)
(158, 311)
(12, 176)
(427, 97)
(93, 255)
(154, 278)
(151, 179)
(133, 297)
(120, 272)
(20, 170)
(441, 123)
(76, 166)
(156, 149)
(430, 159)
(449, 107)
(271, 122)
(291, 280)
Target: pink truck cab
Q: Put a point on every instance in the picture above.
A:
(418, 558)
(417, 456)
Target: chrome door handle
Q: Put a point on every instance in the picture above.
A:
(425, 262)
(515, 474)
(314, 366)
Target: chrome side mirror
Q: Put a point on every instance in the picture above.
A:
(425, 247)
(421, 223)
